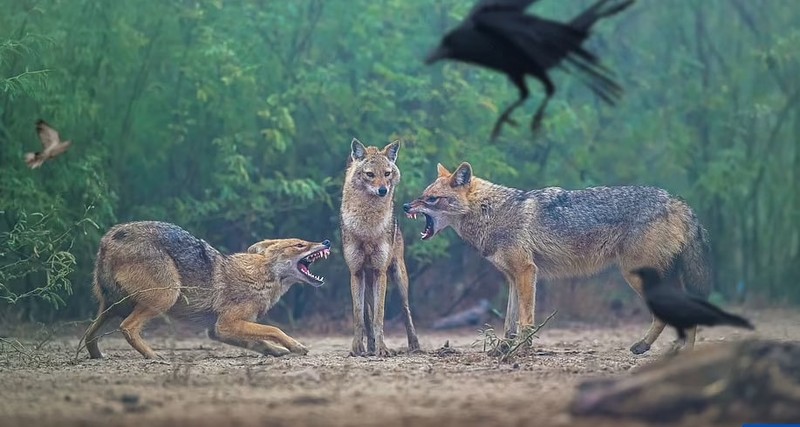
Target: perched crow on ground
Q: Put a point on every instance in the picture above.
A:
(679, 309)
(496, 34)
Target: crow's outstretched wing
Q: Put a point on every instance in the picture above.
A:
(482, 6)
(548, 44)
(544, 42)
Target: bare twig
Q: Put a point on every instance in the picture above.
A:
(506, 348)
(527, 339)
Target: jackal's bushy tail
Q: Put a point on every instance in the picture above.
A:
(693, 264)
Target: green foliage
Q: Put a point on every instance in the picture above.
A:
(26, 81)
(233, 119)
(39, 245)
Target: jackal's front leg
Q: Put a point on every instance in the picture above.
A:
(265, 347)
(369, 314)
(357, 293)
(510, 326)
(379, 295)
(264, 335)
(525, 284)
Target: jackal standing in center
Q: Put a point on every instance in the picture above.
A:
(373, 244)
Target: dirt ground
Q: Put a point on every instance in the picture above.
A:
(203, 383)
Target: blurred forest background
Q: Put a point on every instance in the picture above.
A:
(233, 119)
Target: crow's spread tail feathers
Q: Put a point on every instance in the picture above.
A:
(599, 10)
(730, 319)
(592, 73)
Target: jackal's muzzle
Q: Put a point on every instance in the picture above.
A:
(412, 209)
(323, 250)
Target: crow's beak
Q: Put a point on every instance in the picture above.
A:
(440, 52)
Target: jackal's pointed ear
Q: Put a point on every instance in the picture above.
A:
(261, 247)
(442, 170)
(462, 175)
(391, 150)
(357, 150)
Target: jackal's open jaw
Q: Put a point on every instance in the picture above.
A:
(430, 229)
(419, 207)
(305, 262)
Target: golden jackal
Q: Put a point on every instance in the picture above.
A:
(144, 269)
(373, 243)
(556, 233)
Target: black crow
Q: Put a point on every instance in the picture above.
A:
(680, 309)
(498, 35)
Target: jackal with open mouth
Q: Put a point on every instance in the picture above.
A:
(148, 268)
(557, 233)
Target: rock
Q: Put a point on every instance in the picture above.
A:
(754, 380)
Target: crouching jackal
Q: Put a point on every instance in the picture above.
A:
(557, 233)
(144, 269)
(373, 244)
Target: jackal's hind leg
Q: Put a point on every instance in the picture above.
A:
(656, 327)
(691, 336)
(132, 328)
(91, 337)
(400, 278)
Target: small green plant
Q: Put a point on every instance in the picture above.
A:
(506, 348)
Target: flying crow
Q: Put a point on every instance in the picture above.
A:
(498, 35)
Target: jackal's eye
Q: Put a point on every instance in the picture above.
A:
(300, 245)
(387, 173)
(431, 199)
(370, 175)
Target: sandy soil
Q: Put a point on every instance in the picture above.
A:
(200, 382)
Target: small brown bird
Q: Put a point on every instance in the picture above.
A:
(53, 147)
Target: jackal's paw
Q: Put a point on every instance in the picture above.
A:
(269, 348)
(358, 348)
(640, 347)
(298, 348)
(153, 356)
(383, 351)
